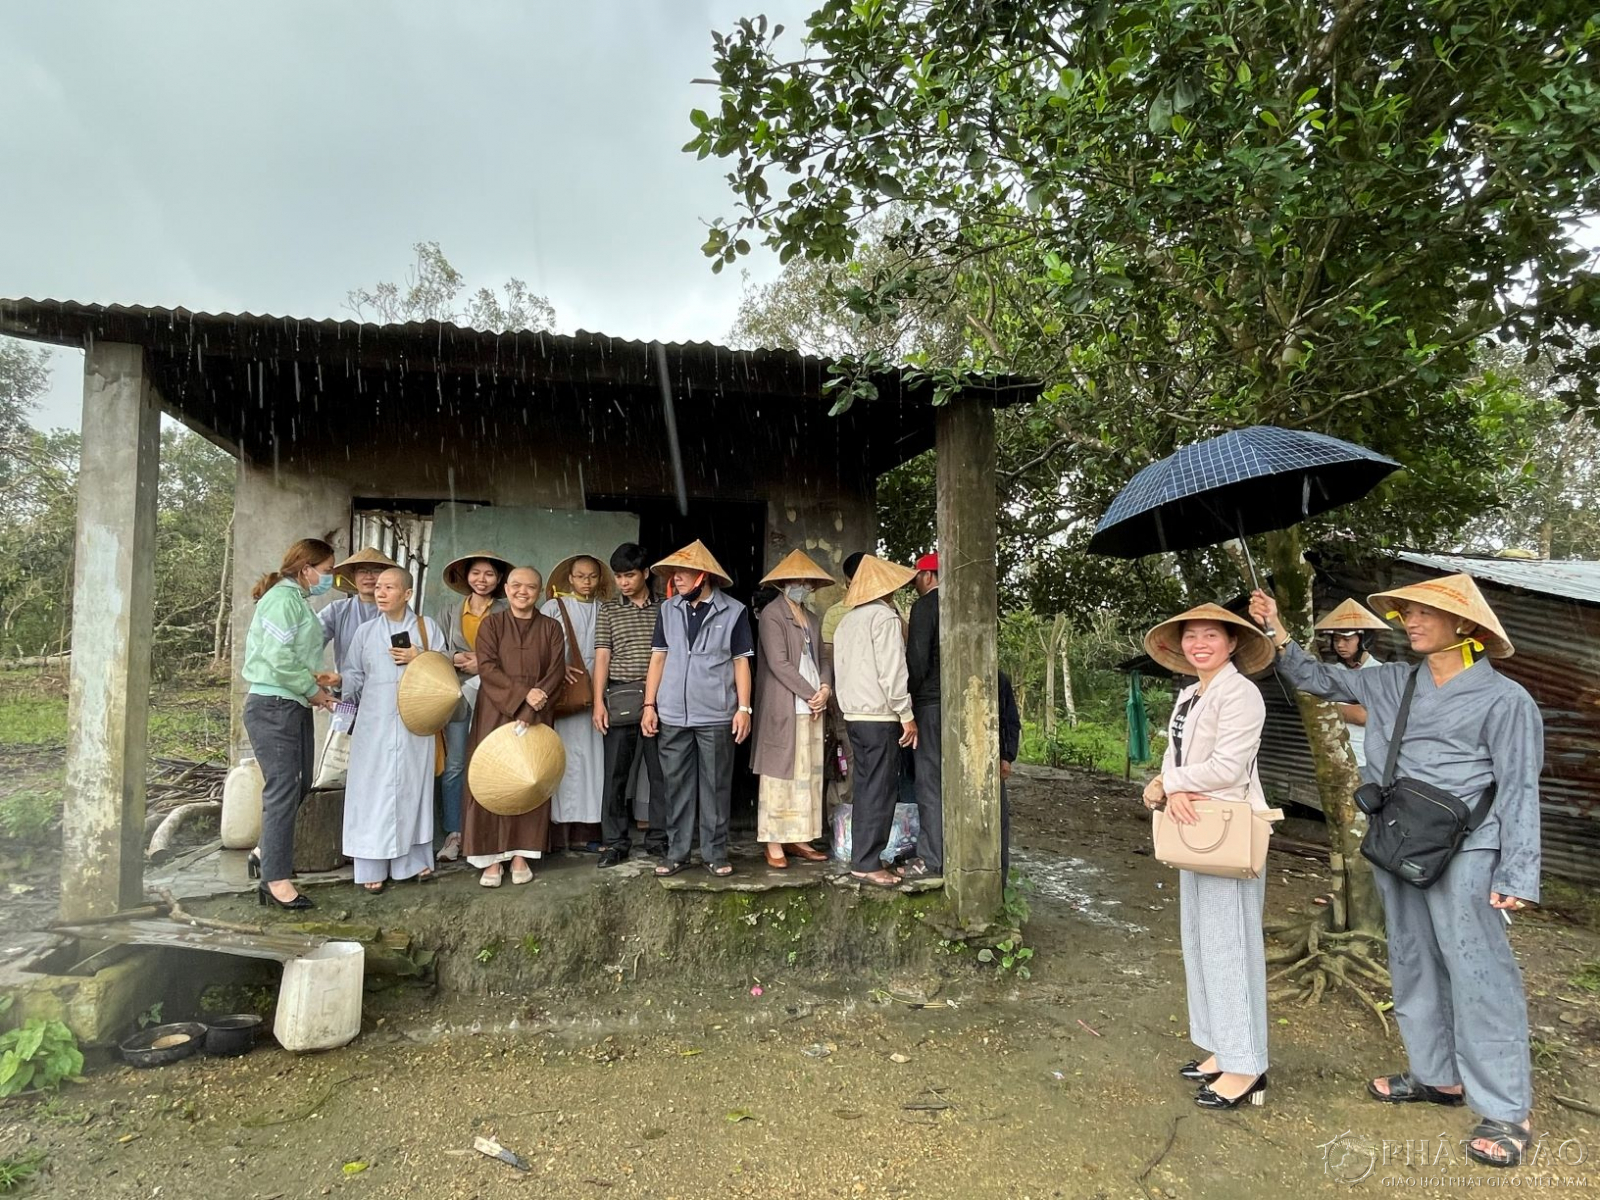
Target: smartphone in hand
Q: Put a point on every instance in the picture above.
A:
(401, 640)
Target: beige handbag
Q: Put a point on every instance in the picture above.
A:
(1229, 840)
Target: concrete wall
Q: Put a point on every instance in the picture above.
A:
(528, 537)
(273, 508)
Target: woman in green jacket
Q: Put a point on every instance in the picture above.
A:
(282, 658)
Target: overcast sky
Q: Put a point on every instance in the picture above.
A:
(269, 157)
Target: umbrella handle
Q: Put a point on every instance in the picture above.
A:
(1255, 579)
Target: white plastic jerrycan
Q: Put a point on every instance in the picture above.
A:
(241, 806)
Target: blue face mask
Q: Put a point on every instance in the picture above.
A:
(323, 584)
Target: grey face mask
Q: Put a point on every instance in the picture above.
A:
(797, 592)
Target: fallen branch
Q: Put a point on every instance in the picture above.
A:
(161, 840)
(1578, 1105)
(300, 1114)
(1172, 1136)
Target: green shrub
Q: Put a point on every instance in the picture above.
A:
(26, 816)
(1090, 743)
(38, 1055)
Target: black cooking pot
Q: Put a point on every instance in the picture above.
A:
(232, 1035)
(163, 1044)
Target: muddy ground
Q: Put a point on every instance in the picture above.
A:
(1059, 1085)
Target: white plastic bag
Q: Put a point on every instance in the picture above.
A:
(335, 765)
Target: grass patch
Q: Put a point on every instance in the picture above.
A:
(15, 1173)
(1588, 977)
(1576, 901)
(26, 816)
(188, 715)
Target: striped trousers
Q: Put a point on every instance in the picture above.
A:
(1225, 964)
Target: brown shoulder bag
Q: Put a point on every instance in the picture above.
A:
(576, 695)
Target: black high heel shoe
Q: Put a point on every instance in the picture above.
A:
(1256, 1094)
(1192, 1072)
(264, 896)
(252, 865)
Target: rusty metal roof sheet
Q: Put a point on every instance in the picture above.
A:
(1570, 578)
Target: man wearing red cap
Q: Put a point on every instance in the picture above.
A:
(922, 666)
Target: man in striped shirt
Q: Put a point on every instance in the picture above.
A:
(623, 631)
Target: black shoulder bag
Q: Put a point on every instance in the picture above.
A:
(1413, 828)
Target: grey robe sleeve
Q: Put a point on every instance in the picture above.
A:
(355, 675)
(1515, 736)
(1339, 684)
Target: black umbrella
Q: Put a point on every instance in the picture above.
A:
(1245, 482)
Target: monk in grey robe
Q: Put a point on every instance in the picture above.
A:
(388, 796)
(521, 664)
(1458, 993)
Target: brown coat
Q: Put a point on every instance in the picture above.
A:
(513, 657)
(778, 682)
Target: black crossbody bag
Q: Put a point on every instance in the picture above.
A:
(1413, 828)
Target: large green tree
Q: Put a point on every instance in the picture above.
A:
(1186, 217)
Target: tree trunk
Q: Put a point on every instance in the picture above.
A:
(1355, 899)
(1048, 645)
(1068, 700)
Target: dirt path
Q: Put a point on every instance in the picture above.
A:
(1061, 1085)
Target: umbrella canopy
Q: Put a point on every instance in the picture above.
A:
(1245, 482)
(1138, 721)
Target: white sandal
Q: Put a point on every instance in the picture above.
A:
(521, 874)
(451, 850)
(485, 880)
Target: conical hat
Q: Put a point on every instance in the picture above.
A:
(561, 578)
(429, 693)
(510, 775)
(343, 573)
(876, 579)
(694, 557)
(798, 565)
(1164, 643)
(1350, 617)
(455, 571)
(1459, 596)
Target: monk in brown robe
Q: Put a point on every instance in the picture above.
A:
(521, 664)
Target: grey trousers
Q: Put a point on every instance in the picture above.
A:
(284, 742)
(697, 766)
(875, 746)
(1225, 964)
(929, 784)
(1457, 989)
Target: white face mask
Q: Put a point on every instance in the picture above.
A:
(797, 592)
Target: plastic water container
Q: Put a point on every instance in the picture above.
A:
(319, 1001)
(241, 806)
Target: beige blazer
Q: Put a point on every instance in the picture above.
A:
(1221, 739)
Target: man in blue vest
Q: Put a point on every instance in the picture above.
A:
(697, 703)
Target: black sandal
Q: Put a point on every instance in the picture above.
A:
(1403, 1089)
(670, 868)
(916, 869)
(1513, 1139)
(720, 869)
(374, 891)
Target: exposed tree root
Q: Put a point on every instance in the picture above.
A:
(1311, 959)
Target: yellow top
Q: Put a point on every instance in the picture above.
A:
(469, 625)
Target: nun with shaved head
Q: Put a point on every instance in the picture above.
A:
(388, 797)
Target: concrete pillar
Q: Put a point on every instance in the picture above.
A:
(969, 668)
(113, 594)
(272, 509)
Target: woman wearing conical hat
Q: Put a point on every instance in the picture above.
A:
(1457, 988)
(1213, 738)
(793, 684)
(578, 585)
(479, 578)
(357, 576)
(1350, 630)
(869, 668)
(697, 702)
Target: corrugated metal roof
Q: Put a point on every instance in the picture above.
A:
(1571, 578)
(520, 353)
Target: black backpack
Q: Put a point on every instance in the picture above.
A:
(1413, 828)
